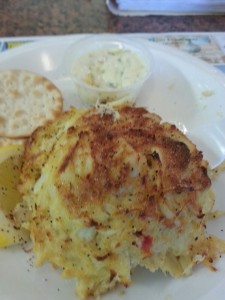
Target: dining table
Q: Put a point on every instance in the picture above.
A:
(57, 17)
(187, 88)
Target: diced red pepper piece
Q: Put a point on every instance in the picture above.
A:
(146, 243)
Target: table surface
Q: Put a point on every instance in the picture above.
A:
(59, 17)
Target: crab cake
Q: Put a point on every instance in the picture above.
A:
(107, 191)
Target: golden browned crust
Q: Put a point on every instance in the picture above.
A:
(175, 163)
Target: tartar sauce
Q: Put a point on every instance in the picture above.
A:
(109, 68)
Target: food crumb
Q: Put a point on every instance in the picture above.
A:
(30, 261)
(168, 297)
(171, 86)
(220, 114)
(208, 93)
(121, 292)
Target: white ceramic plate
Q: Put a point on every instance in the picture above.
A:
(184, 91)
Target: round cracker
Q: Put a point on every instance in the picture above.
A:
(27, 100)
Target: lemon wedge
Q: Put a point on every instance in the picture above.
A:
(10, 163)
